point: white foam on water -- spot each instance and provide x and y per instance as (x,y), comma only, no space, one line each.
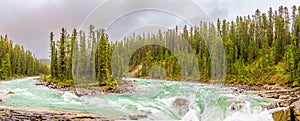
(265,115)
(68,97)
(191,115)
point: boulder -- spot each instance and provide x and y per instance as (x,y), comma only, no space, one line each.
(5,112)
(287,103)
(284,96)
(271,95)
(133,117)
(142,115)
(281,115)
(288,114)
(38,83)
(10,92)
(296,112)
(296,104)
(272,105)
(138,115)
(182,105)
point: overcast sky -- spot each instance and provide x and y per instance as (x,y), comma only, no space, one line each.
(29,22)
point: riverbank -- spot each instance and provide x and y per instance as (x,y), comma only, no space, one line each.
(286,105)
(8,114)
(123,87)
(283,96)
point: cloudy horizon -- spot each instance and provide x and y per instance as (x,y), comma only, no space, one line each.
(29,22)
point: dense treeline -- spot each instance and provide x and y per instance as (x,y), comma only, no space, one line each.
(263,48)
(145,58)
(260,49)
(17,62)
(77,57)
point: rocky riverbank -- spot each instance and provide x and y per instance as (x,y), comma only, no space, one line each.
(124,87)
(244,87)
(7,114)
(286,105)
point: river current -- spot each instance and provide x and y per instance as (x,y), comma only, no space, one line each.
(153,98)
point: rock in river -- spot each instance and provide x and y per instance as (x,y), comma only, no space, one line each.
(236,105)
(138,115)
(182,105)
(10,92)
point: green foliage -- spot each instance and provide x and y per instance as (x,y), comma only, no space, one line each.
(48,78)
(262,49)
(83,58)
(102,60)
(17,62)
(5,67)
(259,50)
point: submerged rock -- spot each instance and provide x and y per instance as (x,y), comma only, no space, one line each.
(236,105)
(38,83)
(125,87)
(138,115)
(133,117)
(182,105)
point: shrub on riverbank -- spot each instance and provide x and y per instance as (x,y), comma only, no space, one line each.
(105,86)
(67,83)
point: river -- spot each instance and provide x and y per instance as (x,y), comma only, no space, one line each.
(152,97)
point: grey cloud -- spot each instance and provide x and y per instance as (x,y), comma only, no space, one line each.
(29,22)
(137,13)
(218,13)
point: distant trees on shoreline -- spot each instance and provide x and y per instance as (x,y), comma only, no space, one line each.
(15,61)
(260,49)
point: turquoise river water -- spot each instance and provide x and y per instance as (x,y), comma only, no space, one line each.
(153,97)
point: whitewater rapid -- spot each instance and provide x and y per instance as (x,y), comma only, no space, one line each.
(152,98)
